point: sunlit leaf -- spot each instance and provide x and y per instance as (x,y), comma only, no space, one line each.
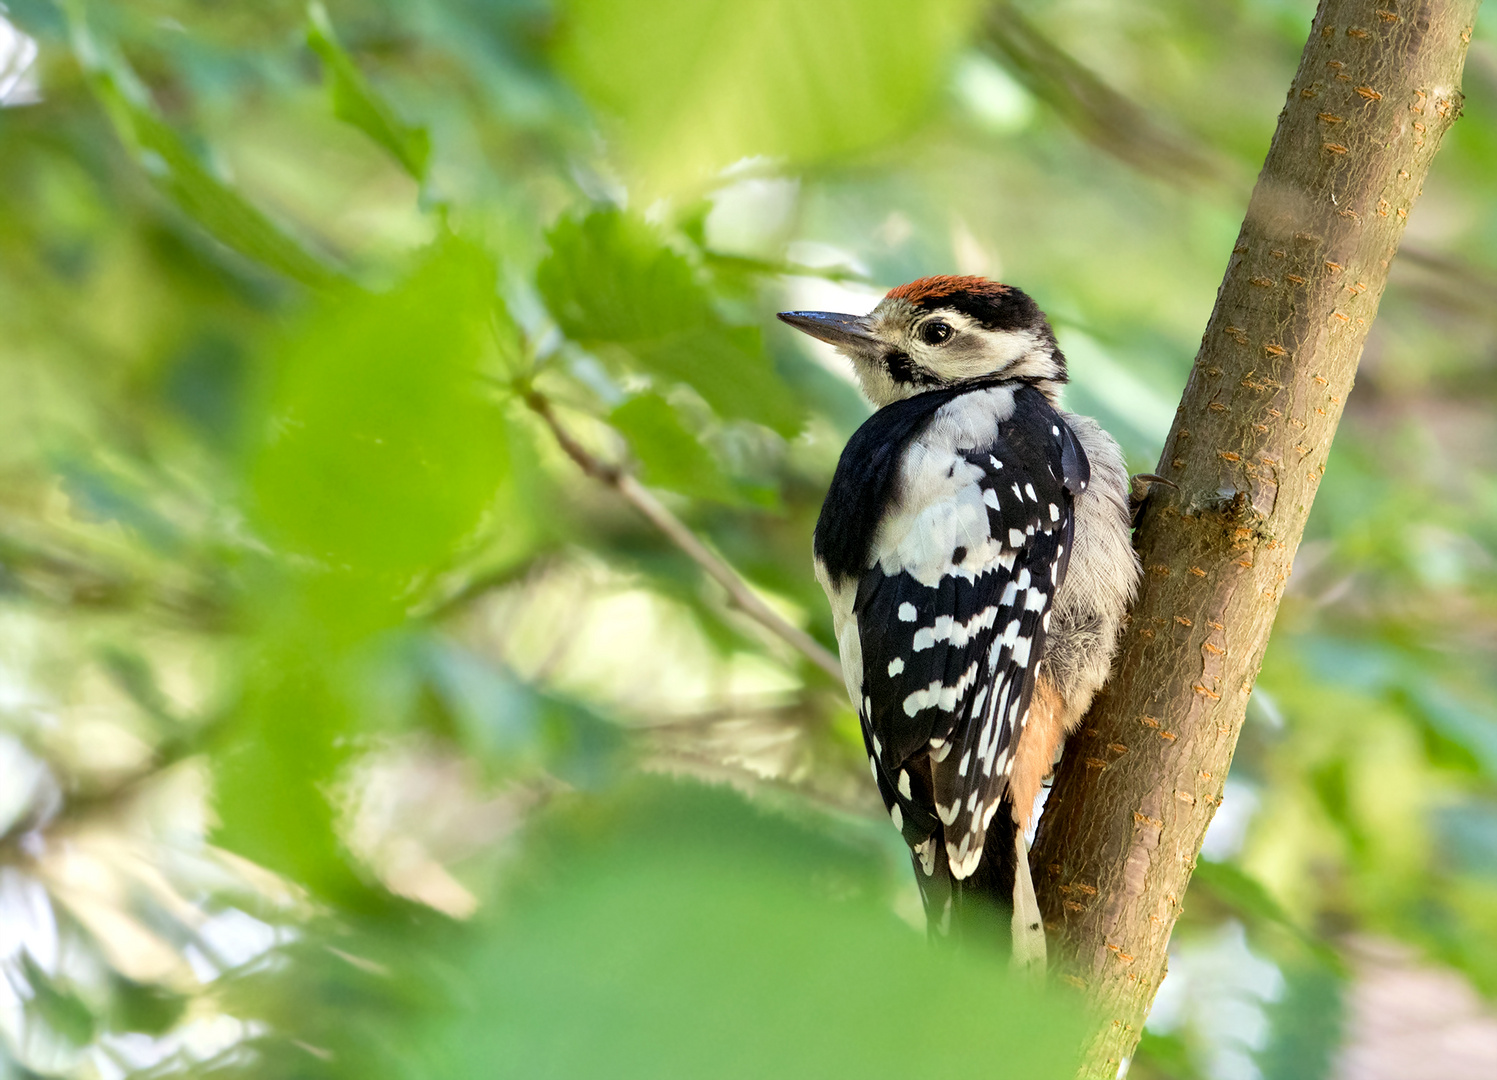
(695,85)
(381,449)
(695,957)
(274,763)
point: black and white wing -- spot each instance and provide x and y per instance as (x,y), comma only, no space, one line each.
(952,608)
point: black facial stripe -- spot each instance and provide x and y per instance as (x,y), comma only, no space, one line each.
(904,370)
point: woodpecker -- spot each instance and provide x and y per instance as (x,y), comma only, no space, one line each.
(975,548)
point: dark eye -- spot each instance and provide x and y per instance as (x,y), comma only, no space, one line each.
(935,332)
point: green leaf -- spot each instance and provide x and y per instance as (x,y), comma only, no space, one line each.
(273,763)
(609,280)
(609,277)
(225,214)
(700,937)
(381,448)
(359,104)
(671,455)
(694,85)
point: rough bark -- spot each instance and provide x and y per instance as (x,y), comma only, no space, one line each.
(1377,87)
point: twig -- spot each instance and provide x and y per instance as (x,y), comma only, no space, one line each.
(641,498)
(1099,113)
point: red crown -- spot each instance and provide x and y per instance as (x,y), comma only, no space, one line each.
(928,290)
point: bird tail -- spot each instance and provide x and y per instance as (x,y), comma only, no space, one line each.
(996,903)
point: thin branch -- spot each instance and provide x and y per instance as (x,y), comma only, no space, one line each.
(1151,143)
(653,510)
(1099,113)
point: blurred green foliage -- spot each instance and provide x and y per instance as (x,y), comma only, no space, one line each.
(327,680)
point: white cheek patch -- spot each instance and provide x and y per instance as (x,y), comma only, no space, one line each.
(974,350)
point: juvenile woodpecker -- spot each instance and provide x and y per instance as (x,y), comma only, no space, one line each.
(975,549)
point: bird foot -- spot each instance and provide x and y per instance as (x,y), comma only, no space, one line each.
(1139,487)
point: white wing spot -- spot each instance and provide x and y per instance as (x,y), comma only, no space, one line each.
(950,695)
(1029,490)
(896,817)
(1054,512)
(896,666)
(987,816)
(922,699)
(904,784)
(1015,538)
(962,864)
(926,853)
(873,767)
(1055,431)
(959,634)
(996,463)
(1017,493)
(878,747)
(947,814)
(1036,601)
(961,769)
(906,612)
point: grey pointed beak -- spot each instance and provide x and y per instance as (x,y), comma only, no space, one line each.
(847,331)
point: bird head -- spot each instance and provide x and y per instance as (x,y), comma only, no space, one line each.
(942,332)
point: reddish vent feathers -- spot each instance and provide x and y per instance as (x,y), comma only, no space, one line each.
(928,291)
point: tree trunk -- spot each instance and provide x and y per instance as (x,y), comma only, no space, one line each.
(1377,87)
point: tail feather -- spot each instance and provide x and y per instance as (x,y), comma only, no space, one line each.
(995,904)
(1028,925)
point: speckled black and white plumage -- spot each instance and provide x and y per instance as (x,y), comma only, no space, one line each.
(974,547)
(952,614)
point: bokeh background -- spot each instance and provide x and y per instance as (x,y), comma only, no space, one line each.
(348,729)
